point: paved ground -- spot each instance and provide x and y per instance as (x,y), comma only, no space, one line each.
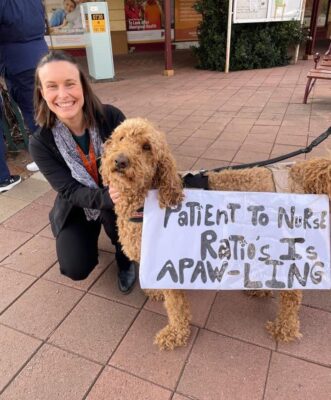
(68,341)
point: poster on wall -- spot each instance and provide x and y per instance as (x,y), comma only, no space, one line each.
(65,26)
(266,10)
(186,21)
(145,21)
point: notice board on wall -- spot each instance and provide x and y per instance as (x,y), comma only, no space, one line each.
(245,11)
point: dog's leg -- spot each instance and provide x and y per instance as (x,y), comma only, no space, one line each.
(154,295)
(177,332)
(258,293)
(286,326)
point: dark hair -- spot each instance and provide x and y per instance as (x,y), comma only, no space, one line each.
(73,2)
(92,105)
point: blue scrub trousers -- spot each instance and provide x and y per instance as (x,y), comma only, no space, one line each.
(4,171)
(20,87)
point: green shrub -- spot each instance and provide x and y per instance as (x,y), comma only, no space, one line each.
(253,45)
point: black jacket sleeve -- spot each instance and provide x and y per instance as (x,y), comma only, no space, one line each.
(57,173)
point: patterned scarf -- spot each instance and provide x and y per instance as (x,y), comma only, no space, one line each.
(68,149)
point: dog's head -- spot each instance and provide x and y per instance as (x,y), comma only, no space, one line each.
(136,158)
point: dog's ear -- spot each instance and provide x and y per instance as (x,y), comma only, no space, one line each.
(167,179)
(105,165)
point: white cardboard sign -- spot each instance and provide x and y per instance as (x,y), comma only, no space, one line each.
(237,240)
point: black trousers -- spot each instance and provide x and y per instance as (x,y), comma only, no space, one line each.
(77,243)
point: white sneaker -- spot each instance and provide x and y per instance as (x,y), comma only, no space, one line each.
(33,167)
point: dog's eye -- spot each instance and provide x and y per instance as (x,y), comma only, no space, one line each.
(146,146)
(121,138)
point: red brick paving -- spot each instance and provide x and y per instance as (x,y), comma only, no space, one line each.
(76,340)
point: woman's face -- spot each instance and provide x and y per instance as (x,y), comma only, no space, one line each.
(69,6)
(62,90)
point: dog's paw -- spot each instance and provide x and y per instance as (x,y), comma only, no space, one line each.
(170,337)
(284,331)
(258,293)
(154,295)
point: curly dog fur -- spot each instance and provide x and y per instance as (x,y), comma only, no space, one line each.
(137,158)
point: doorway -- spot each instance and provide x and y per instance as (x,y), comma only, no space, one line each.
(323,19)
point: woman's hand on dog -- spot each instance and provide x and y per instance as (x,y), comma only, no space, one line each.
(114,194)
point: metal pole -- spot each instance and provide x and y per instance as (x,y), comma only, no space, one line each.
(228,37)
(168,68)
(296,54)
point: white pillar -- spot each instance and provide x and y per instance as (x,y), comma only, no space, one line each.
(228,38)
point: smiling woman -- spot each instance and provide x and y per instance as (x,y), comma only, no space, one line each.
(62,91)
(67,149)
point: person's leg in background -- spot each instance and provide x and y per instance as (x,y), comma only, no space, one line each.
(7,181)
(20,87)
(4,171)
(126,267)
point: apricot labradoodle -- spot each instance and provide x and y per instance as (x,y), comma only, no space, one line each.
(137,158)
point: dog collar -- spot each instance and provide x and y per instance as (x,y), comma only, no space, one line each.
(138,215)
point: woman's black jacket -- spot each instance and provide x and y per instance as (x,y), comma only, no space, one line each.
(70,192)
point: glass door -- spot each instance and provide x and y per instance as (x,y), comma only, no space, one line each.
(324,20)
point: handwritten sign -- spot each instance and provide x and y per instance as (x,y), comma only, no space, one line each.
(237,240)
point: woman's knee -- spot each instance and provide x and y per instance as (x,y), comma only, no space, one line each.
(79,268)
(76,274)
(77,265)
(77,247)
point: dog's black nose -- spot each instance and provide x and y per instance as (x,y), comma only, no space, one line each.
(121,161)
